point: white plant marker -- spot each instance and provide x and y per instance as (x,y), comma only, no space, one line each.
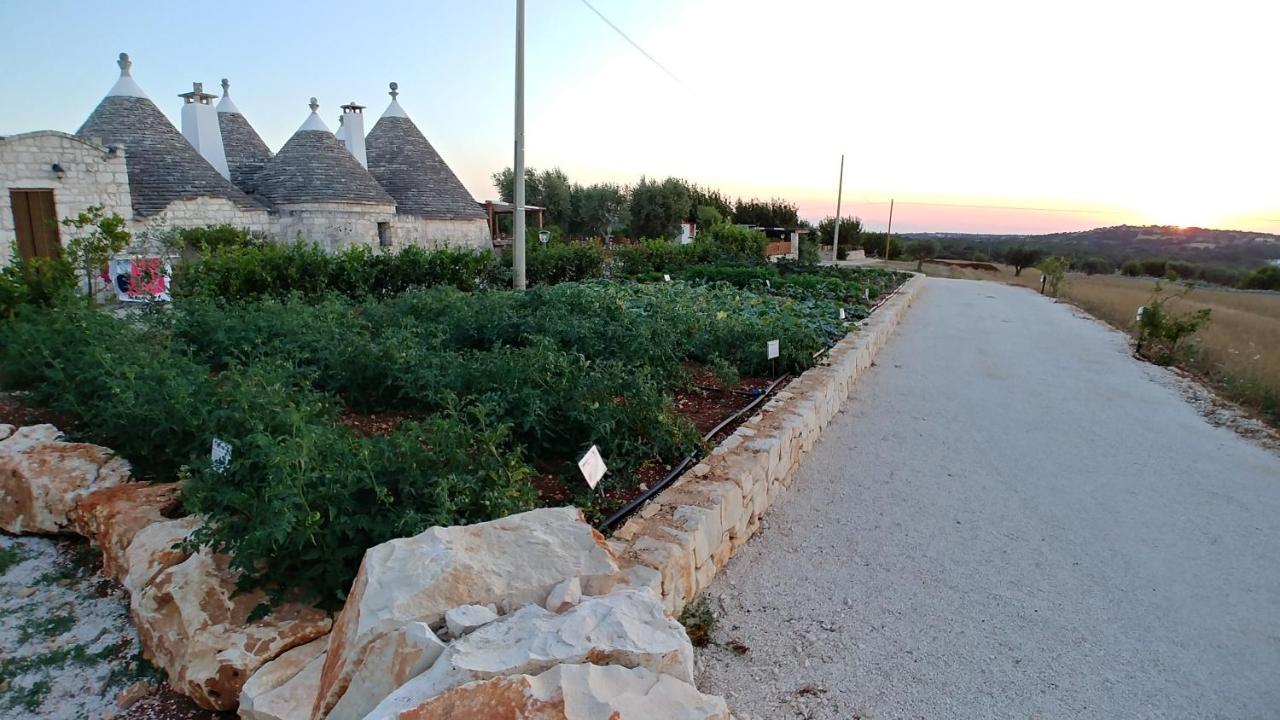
(666,277)
(768,284)
(592,467)
(1140,311)
(842,315)
(771,350)
(866,294)
(220,457)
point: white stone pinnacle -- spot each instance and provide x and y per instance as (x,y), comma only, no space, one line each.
(125,86)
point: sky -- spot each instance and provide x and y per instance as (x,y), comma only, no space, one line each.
(984,116)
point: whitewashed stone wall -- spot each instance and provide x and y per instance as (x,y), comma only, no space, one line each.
(93,176)
(332,226)
(409,230)
(691,529)
(203,211)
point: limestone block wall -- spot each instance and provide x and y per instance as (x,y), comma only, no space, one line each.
(691,529)
(332,226)
(409,230)
(203,211)
(91,176)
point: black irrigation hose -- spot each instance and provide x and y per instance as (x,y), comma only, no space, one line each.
(676,471)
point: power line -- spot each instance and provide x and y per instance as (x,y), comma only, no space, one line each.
(1082,211)
(636,45)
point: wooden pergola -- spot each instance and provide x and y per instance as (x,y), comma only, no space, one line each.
(494,209)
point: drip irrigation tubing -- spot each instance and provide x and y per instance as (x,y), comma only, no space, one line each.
(626,510)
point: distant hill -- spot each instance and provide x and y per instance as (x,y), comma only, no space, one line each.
(1237,248)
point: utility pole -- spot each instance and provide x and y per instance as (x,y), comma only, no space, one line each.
(518,210)
(888,234)
(835,237)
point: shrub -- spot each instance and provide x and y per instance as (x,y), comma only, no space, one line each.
(809,253)
(564,263)
(1266,277)
(921,250)
(1096,265)
(1055,271)
(1160,332)
(246,272)
(95,237)
(1022,257)
(40,282)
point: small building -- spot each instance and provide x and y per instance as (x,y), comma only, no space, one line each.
(389,189)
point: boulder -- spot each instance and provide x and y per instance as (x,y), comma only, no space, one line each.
(392,660)
(285,688)
(153,549)
(627,628)
(112,516)
(6,430)
(193,625)
(574,692)
(564,596)
(510,562)
(41,478)
(465,618)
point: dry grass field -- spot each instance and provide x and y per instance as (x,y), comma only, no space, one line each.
(1238,352)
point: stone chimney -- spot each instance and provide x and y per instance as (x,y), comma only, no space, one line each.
(200,128)
(352,131)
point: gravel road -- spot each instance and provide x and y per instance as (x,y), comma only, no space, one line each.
(1011,519)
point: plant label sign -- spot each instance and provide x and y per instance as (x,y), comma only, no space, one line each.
(768,284)
(221,455)
(866,294)
(666,277)
(771,350)
(1140,311)
(842,315)
(592,467)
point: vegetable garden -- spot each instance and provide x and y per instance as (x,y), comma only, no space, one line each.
(369,396)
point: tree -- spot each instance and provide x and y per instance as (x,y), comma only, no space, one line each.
(700,197)
(1055,269)
(1096,265)
(597,209)
(1266,277)
(771,213)
(549,189)
(96,237)
(707,216)
(921,250)
(658,208)
(850,232)
(1021,257)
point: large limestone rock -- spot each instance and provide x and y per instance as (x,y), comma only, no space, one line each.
(627,628)
(285,688)
(391,661)
(111,517)
(193,625)
(6,430)
(574,692)
(510,562)
(41,478)
(155,548)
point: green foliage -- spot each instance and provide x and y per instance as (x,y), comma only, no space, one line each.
(658,208)
(699,621)
(95,238)
(242,272)
(1266,277)
(597,209)
(923,249)
(1055,270)
(40,282)
(10,556)
(1161,332)
(1095,265)
(700,197)
(557,263)
(725,373)
(1022,256)
(851,235)
(809,253)
(770,214)
(1132,268)
(707,216)
(212,239)
(980,256)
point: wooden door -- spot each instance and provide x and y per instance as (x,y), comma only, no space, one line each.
(35,219)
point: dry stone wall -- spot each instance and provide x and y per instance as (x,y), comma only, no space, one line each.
(689,531)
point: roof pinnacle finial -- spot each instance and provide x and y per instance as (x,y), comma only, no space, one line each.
(313,105)
(395,90)
(125,64)
(226,87)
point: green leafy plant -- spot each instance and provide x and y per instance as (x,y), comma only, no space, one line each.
(95,238)
(1161,333)
(1055,272)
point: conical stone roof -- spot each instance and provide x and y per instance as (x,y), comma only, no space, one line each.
(409,168)
(162,165)
(314,167)
(245,150)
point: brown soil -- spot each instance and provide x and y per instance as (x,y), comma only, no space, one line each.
(16,411)
(371,424)
(169,705)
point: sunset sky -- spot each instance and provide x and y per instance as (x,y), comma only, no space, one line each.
(1085,114)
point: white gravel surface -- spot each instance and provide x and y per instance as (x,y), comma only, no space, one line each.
(1012,519)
